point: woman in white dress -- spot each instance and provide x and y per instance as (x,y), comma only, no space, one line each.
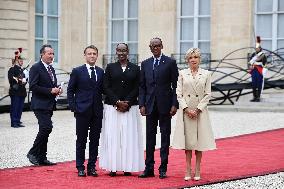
(193,129)
(121,137)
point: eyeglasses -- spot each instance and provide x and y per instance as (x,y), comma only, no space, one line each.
(156,46)
(121,50)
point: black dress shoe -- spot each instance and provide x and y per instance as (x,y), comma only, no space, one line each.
(147,174)
(127,174)
(112,174)
(92,172)
(81,173)
(33,159)
(20,125)
(162,175)
(15,125)
(47,163)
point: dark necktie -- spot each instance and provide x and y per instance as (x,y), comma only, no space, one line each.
(93,73)
(156,63)
(50,73)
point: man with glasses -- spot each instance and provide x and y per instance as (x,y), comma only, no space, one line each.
(158,102)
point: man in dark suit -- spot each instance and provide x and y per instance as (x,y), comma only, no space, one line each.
(17,90)
(158,102)
(84,95)
(43,84)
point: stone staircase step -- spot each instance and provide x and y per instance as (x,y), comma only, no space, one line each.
(238,108)
(262,103)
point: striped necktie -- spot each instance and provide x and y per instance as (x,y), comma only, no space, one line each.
(50,73)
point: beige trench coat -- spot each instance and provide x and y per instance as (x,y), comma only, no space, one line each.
(192,93)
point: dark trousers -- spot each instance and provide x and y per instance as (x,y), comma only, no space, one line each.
(257,81)
(87,122)
(39,148)
(16,109)
(151,131)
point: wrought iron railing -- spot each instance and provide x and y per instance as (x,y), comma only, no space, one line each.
(231,78)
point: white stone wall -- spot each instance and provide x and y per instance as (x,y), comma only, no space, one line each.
(14,30)
(231,28)
(157,18)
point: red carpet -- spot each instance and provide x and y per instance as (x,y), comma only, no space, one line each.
(236,157)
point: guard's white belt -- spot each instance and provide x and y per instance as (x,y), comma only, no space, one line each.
(258,63)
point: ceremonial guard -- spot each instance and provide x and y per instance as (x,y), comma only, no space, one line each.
(257,61)
(17,91)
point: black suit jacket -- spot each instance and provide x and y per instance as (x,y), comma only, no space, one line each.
(119,85)
(84,93)
(41,85)
(16,88)
(161,88)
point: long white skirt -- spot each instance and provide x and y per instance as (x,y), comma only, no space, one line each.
(121,146)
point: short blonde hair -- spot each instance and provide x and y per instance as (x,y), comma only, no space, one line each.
(192,52)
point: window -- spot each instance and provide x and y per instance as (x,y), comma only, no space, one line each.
(193,25)
(123,24)
(46,26)
(268,18)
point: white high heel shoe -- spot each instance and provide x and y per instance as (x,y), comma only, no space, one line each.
(196,178)
(187,178)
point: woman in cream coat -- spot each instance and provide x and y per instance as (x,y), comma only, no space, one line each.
(193,130)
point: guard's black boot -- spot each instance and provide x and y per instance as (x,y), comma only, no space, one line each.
(258,93)
(254,92)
